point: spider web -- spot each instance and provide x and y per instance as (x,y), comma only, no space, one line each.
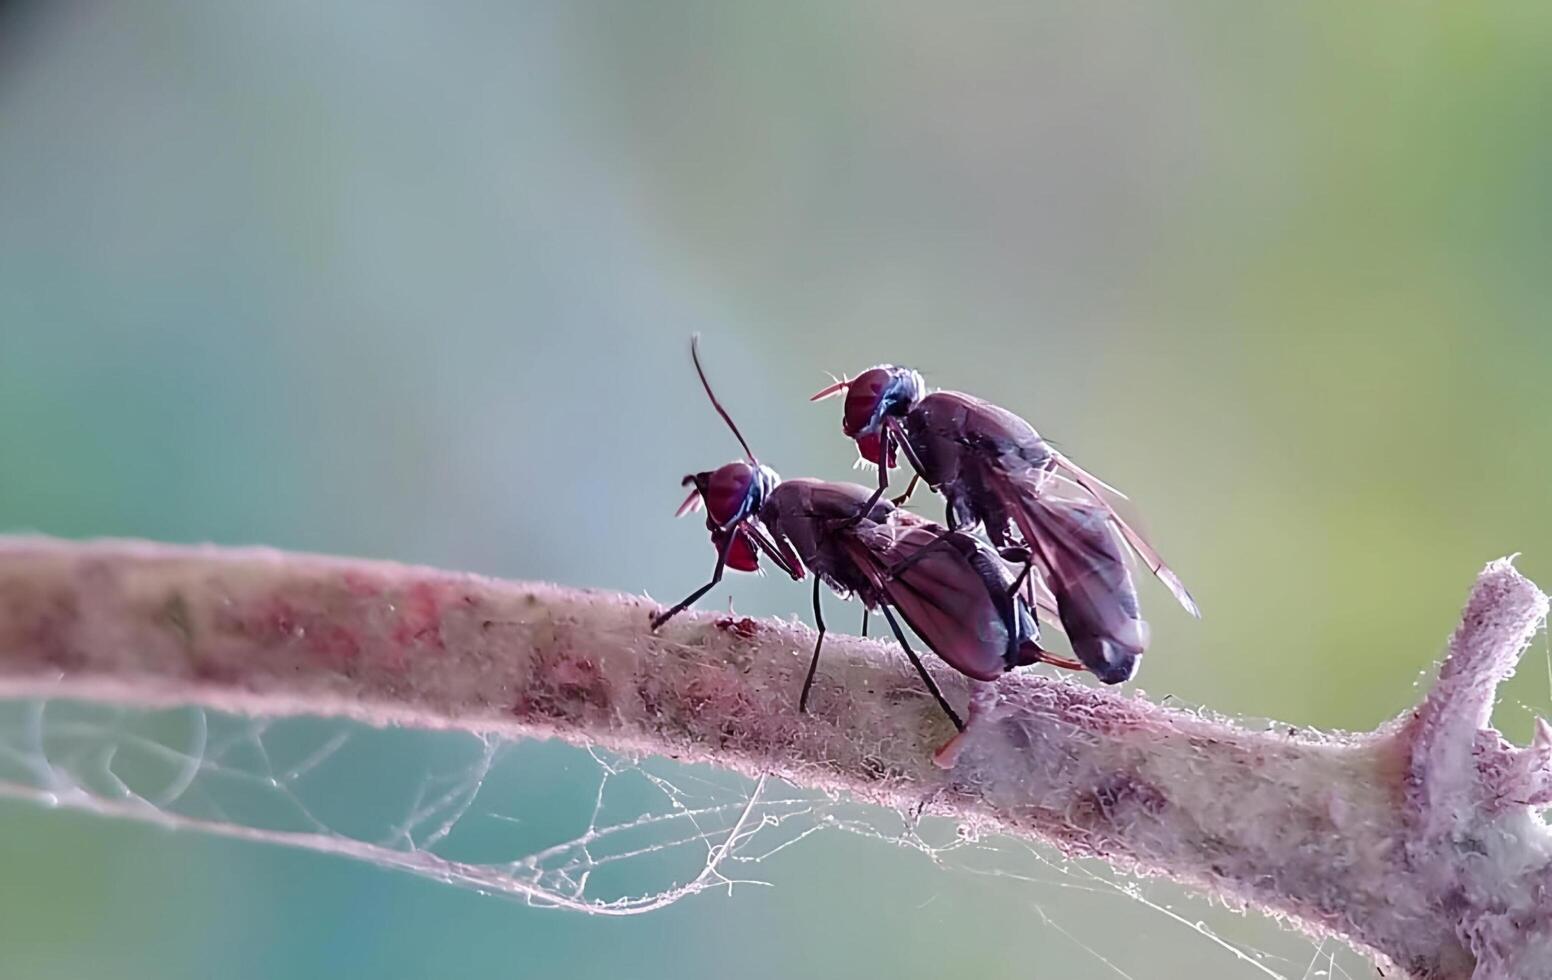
(502,817)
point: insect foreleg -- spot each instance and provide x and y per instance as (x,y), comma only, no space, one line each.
(891,438)
(883,479)
(892,425)
(689,600)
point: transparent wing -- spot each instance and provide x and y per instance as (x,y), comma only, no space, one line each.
(1069,480)
(938,593)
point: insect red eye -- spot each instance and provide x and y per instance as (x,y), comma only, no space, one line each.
(862,400)
(727,491)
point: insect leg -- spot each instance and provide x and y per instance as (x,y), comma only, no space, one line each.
(910,488)
(891,424)
(1005,599)
(890,439)
(689,600)
(1019,556)
(813,665)
(916,662)
(1062,662)
(864,620)
(1037,602)
(983,703)
(883,478)
(899,567)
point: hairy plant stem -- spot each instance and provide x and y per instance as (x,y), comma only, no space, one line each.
(1421,842)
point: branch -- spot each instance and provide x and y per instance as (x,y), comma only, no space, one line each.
(1420,842)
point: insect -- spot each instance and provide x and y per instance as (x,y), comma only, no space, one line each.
(950,587)
(1084,565)
(995,470)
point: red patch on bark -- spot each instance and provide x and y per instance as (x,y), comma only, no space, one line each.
(52,631)
(212,672)
(420,617)
(567,687)
(740,626)
(335,644)
(274,621)
(716,695)
(361,586)
(579,679)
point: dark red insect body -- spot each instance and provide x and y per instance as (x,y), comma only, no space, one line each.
(995,470)
(1085,567)
(950,587)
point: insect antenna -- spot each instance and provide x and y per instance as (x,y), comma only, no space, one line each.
(695,355)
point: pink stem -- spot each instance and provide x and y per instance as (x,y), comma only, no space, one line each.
(1420,842)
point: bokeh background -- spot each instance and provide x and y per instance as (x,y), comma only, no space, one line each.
(415,282)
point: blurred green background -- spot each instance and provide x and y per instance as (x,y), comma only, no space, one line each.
(415,282)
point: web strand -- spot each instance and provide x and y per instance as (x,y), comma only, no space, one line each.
(464,809)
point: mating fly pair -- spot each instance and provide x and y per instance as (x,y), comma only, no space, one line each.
(949,586)
(994,470)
